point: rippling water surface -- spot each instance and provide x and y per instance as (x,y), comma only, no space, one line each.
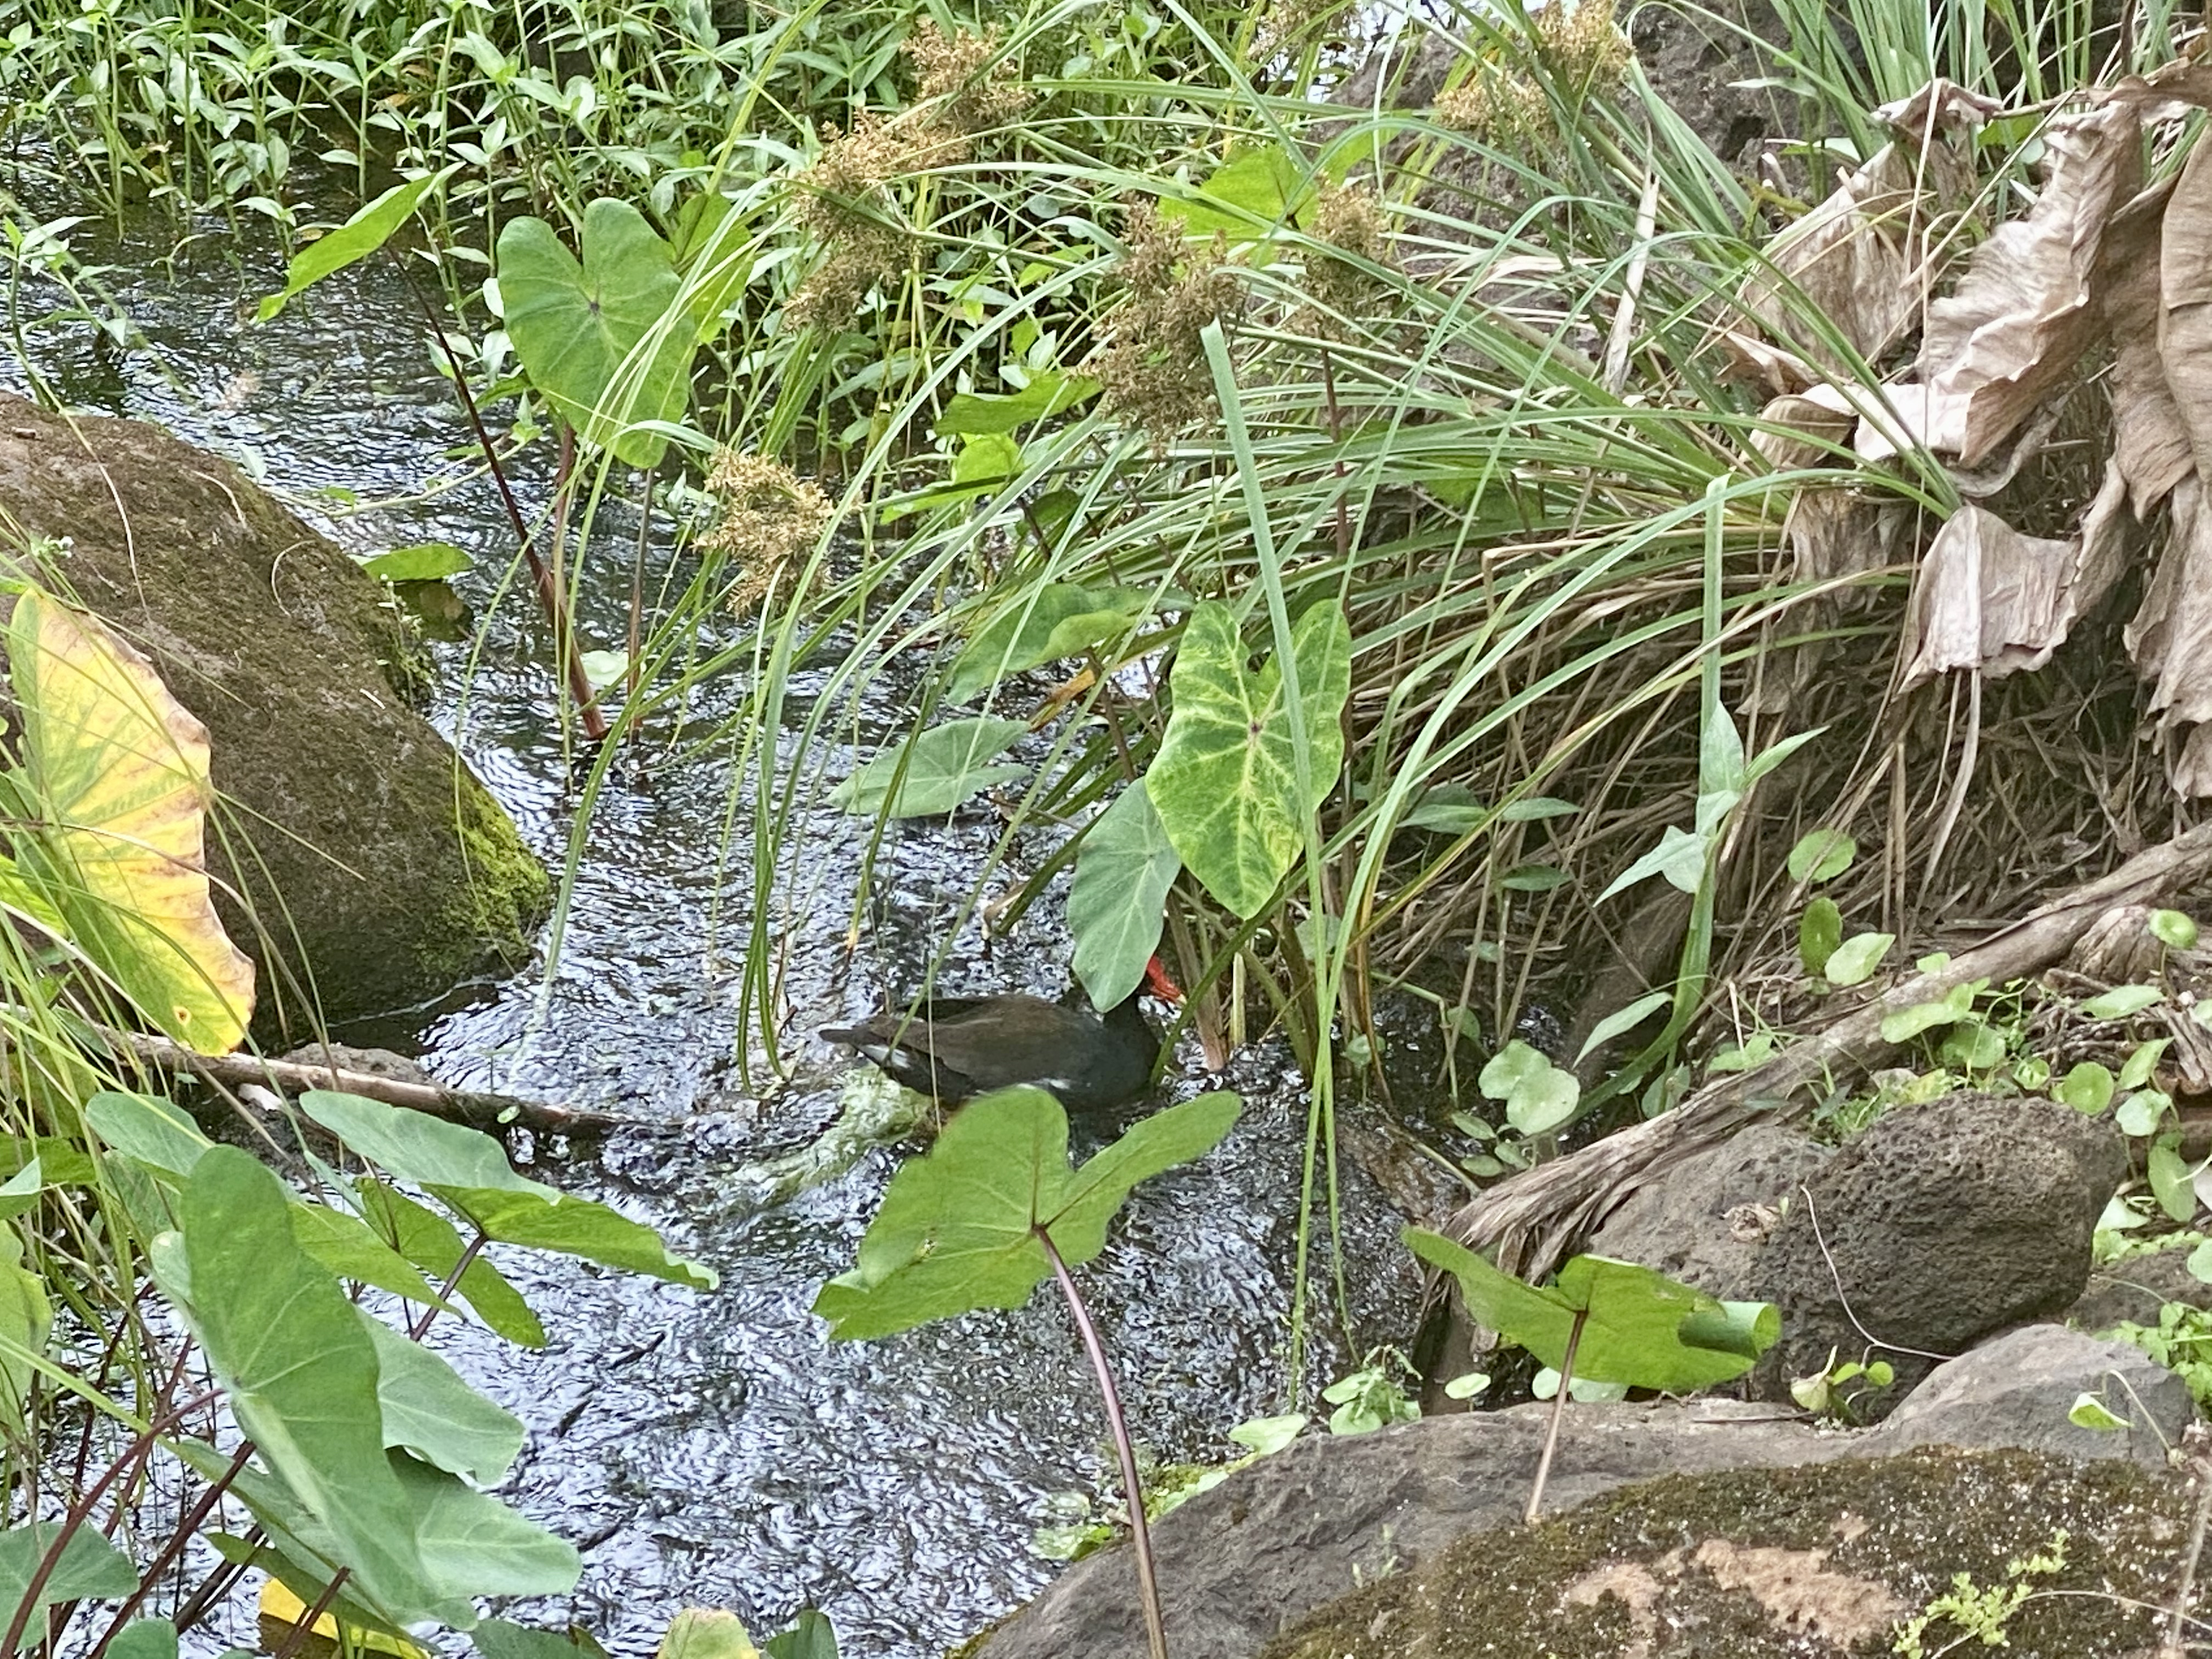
(715,1448)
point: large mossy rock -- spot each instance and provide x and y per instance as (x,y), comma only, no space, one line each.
(376,871)
(1423,1505)
(1799,1563)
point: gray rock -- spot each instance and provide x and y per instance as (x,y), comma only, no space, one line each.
(1241,1562)
(1717,81)
(1327,1514)
(1705,1221)
(381,871)
(386,1063)
(2133,1289)
(1938,1226)
(2016,1390)
(1791,1563)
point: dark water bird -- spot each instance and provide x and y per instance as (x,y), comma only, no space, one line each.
(951,1047)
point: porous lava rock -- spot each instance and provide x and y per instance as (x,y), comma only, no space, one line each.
(1939,1225)
(376,870)
(2133,1289)
(1706,1221)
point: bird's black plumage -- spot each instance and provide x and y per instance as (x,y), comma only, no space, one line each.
(953,1048)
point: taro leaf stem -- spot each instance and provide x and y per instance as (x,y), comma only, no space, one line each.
(1148,1585)
(1559,1408)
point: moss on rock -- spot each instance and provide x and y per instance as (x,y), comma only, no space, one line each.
(1828,1559)
(363,864)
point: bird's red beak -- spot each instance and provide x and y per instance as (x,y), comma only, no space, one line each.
(1157,981)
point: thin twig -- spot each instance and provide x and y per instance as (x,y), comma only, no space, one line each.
(290,1077)
(550,596)
(2202,1470)
(1835,1282)
(1559,1413)
(1533,1219)
(305,1622)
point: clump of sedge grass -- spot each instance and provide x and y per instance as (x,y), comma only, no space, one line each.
(1348,219)
(1582,50)
(770,519)
(846,205)
(1289,25)
(1154,369)
(1495,106)
(964,91)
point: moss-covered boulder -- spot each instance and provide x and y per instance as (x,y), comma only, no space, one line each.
(2060,1560)
(368,868)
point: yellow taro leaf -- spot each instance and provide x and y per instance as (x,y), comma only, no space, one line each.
(282,1611)
(706,1633)
(118,770)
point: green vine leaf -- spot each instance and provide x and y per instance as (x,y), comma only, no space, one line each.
(1538,1095)
(356,239)
(1041,625)
(934,771)
(1049,392)
(598,337)
(1639,1327)
(87,1568)
(468,1171)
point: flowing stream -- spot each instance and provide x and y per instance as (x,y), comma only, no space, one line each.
(717,1449)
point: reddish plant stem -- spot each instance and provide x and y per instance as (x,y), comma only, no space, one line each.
(1336,437)
(218,1583)
(550,596)
(298,1633)
(636,638)
(186,1529)
(1141,1537)
(79,1513)
(422,1325)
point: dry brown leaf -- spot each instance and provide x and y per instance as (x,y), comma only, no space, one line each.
(1856,256)
(2192,767)
(2171,637)
(2167,92)
(2108,540)
(1909,416)
(2023,314)
(1833,532)
(1778,372)
(1937,106)
(1853,259)
(1834,535)
(2150,444)
(2184,323)
(1801,430)
(1989,599)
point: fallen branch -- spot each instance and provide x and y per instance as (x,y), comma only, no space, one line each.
(1534,1220)
(482,1111)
